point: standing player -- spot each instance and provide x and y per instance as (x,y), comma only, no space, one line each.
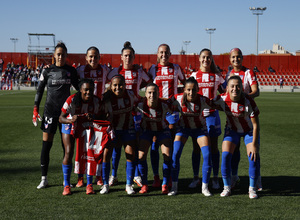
(191,104)
(242,121)
(167,76)
(209,80)
(83,102)
(134,77)
(250,87)
(153,112)
(119,103)
(58,79)
(98,73)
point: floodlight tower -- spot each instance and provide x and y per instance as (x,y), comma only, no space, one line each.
(257,11)
(186,43)
(14,40)
(210,31)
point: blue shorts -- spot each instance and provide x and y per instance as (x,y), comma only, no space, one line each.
(172,118)
(194,133)
(235,137)
(160,135)
(66,128)
(213,124)
(124,135)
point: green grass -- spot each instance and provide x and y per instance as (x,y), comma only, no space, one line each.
(20,146)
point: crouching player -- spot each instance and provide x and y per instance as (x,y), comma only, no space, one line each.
(191,105)
(92,135)
(153,123)
(242,121)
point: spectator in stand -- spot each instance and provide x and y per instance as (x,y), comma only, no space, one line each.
(271,70)
(34,80)
(281,80)
(1,65)
(255,69)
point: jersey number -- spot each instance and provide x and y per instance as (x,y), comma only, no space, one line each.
(93,141)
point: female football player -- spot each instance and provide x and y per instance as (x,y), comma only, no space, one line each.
(153,112)
(167,76)
(83,102)
(135,77)
(119,103)
(58,78)
(209,80)
(250,86)
(242,121)
(191,104)
(98,73)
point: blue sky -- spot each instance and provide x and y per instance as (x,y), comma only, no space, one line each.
(146,24)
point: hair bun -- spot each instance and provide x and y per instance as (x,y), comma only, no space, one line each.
(127,44)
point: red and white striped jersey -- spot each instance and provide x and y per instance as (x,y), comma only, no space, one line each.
(120,110)
(91,138)
(92,107)
(99,76)
(208,86)
(167,78)
(133,78)
(191,112)
(238,114)
(153,119)
(248,77)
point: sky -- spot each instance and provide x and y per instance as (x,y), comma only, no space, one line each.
(147,24)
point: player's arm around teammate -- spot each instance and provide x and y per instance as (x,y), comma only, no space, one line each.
(98,73)
(250,86)
(191,123)
(209,80)
(166,76)
(58,78)
(79,103)
(134,78)
(242,121)
(248,77)
(153,111)
(120,103)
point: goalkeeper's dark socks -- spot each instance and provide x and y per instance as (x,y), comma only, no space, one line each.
(45,157)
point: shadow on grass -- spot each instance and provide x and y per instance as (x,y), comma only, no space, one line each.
(272,186)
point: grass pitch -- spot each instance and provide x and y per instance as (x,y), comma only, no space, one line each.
(20,146)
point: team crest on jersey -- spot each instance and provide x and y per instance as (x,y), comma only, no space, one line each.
(212,78)
(68,74)
(134,74)
(196,108)
(242,78)
(241,108)
(170,70)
